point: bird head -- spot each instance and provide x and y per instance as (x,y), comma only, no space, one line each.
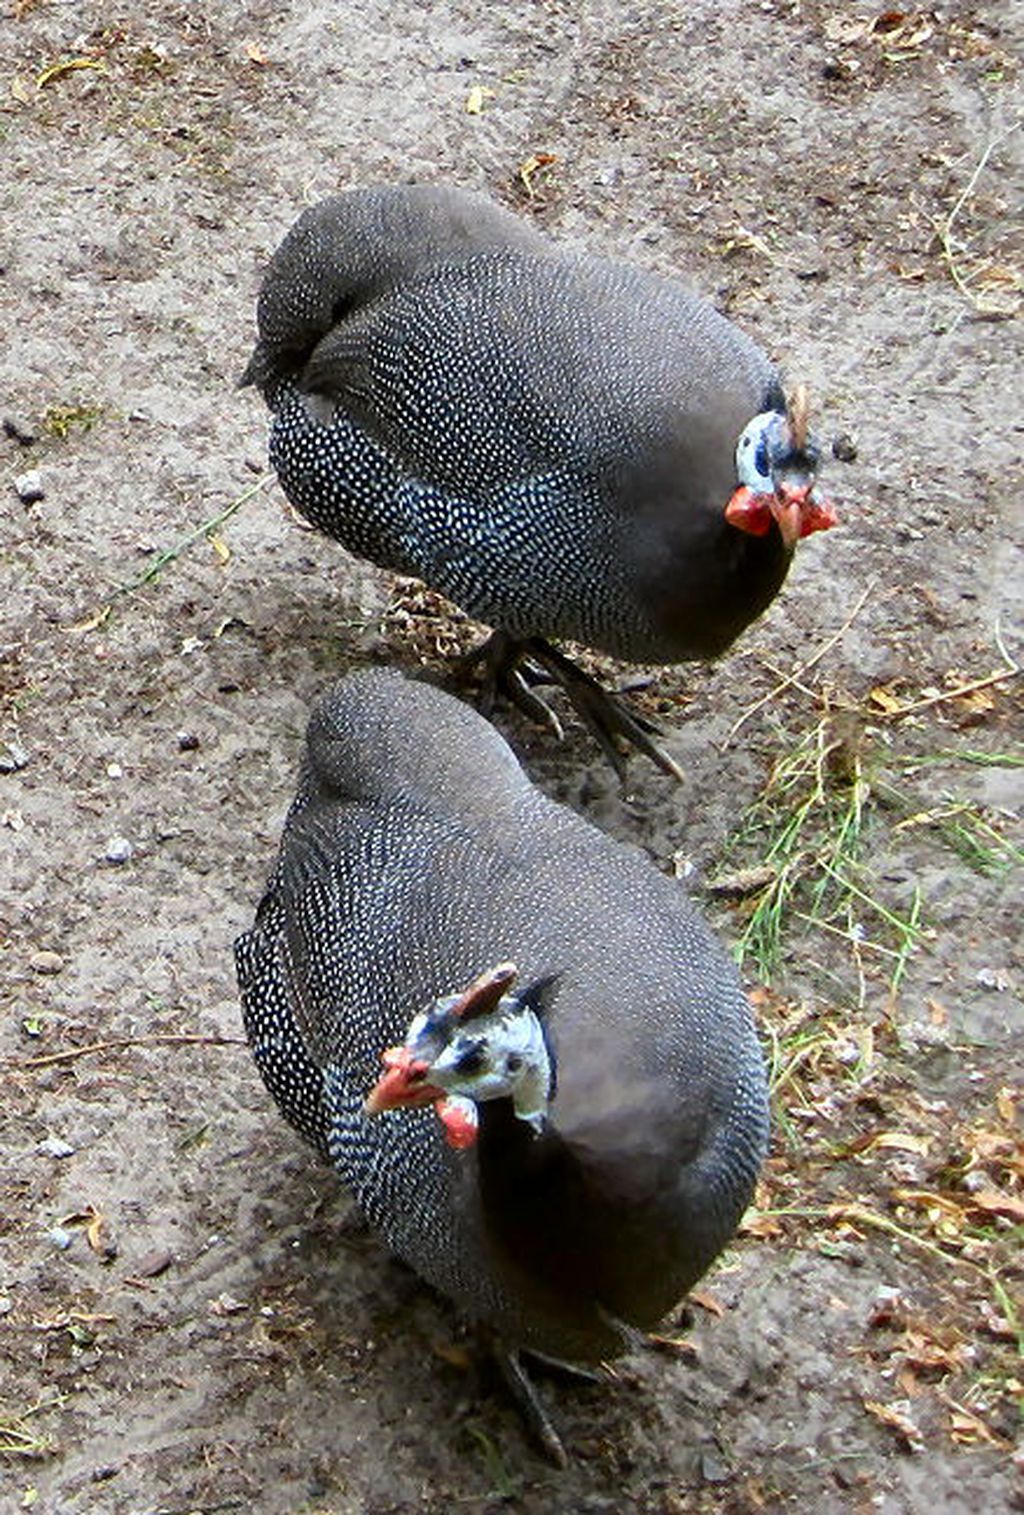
(777,467)
(483,1044)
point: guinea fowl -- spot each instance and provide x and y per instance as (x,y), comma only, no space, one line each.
(565,446)
(437,932)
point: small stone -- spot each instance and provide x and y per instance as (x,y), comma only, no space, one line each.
(712,1468)
(60,1237)
(844,448)
(6,1305)
(29,487)
(12,757)
(226,1304)
(187,741)
(152,1264)
(115,771)
(19,430)
(119,850)
(46,961)
(988,978)
(54,1146)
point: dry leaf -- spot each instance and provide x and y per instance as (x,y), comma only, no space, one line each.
(743,882)
(930,1201)
(755,1224)
(938,1015)
(475,100)
(995,1202)
(219,546)
(707,1301)
(532,165)
(885,699)
(676,1344)
(1006,1105)
(968,1428)
(98,1236)
(99,619)
(69,66)
(256,54)
(897,1420)
(901,1141)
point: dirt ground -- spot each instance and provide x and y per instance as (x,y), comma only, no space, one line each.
(191,1318)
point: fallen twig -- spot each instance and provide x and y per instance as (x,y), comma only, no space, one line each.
(121,1043)
(950,694)
(944,229)
(797,674)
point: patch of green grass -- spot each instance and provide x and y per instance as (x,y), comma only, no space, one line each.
(19,1437)
(809,827)
(824,803)
(61,420)
(980,759)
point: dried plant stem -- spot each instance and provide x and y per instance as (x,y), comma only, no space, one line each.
(798,673)
(169,1040)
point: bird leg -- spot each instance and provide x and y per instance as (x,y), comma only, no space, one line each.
(513,666)
(528,1401)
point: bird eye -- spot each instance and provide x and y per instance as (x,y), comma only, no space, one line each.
(513,1062)
(471,1057)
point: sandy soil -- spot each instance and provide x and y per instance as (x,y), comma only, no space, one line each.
(191,1318)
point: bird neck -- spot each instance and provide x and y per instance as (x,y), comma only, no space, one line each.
(718,581)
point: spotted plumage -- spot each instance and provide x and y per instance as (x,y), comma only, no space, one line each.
(416,855)
(546,437)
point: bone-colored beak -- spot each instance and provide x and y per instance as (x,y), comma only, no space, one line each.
(787,506)
(403,1085)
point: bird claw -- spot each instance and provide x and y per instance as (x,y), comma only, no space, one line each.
(536,1417)
(513,666)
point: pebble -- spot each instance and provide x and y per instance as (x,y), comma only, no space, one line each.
(226,1304)
(119,850)
(19,430)
(54,1146)
(6,1305)
(187,741)
(29,487)
(712,1467)
(60,1237)
(153,1263)
(12,757)
(46,961)
(844,448)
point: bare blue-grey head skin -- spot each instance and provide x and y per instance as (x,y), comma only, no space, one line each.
(420,869)
(548,438)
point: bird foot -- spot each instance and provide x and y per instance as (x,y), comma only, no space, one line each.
(528,1401)
(514,666)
